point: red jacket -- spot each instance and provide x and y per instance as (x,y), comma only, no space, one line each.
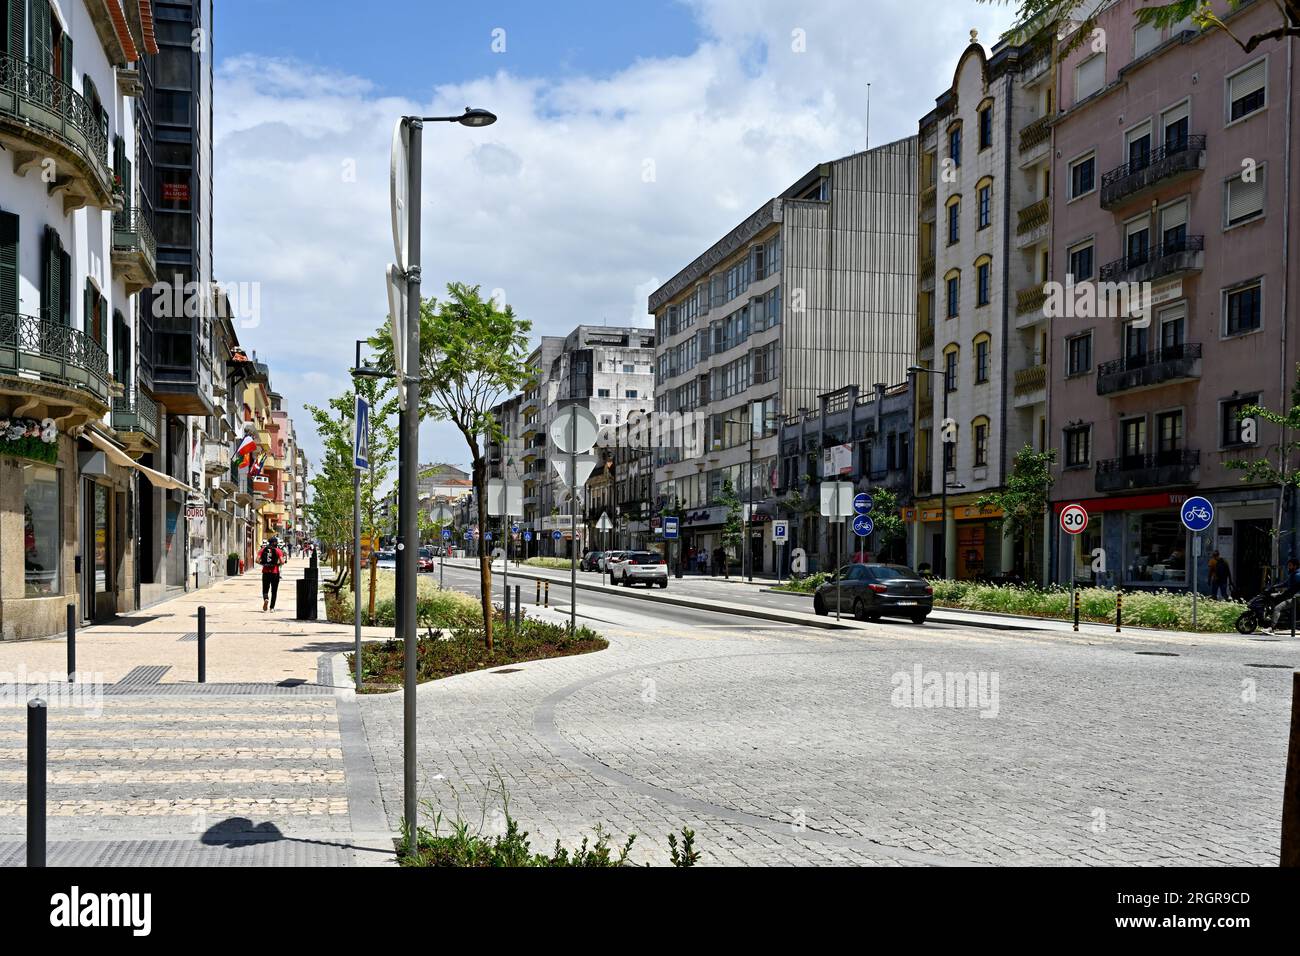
(271,568)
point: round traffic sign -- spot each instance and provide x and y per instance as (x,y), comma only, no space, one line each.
(863,525)
(575,429)
(557,535)
(863,503)
(1074,519)
(1197,513)
(469,535)
(514,529)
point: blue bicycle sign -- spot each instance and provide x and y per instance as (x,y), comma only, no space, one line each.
(1197,513)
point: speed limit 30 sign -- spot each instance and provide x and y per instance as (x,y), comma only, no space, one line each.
(1074,519)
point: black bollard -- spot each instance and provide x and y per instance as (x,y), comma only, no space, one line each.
(72,643)
(37,717)
(519,610)
(537,601)
(1119,610)
(547,595)
(1076,610)
(506,601)
(203,645)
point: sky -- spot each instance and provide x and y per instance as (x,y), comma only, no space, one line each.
(631,136)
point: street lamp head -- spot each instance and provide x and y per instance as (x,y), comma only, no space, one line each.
(476,117)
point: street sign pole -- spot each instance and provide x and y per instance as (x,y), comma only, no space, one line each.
(356,575)
(573,525)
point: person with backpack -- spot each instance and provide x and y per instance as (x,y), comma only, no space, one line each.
(270,558)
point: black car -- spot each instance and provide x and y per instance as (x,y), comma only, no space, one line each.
(591,561)
(872,591)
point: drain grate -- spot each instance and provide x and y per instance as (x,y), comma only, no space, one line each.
(190,636)
(1157,654)
(144,675)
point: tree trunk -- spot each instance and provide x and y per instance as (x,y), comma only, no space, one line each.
(484,555)
(374,563)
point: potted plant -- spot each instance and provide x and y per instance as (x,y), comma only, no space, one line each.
(232,564)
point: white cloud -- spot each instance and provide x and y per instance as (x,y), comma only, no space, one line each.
(586,195)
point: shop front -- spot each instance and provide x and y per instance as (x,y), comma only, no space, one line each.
(976,547)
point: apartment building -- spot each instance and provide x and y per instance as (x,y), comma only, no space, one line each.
(1174,153)
(815,289)
(80,430)
(984,225)
(607,369)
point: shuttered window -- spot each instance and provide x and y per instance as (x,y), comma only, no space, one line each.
(1246,91)
(1089,76)
(1145,38)
(8,263)
(14,27)
(41,51)
(1244,200)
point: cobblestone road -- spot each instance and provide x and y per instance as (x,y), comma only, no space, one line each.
(783,745)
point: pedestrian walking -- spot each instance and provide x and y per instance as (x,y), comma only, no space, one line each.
(270,558)
(1220,577)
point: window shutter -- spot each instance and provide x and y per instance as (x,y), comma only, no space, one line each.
(49,275)
(1245,199)
(14,20)
(1090,76)
(42,42)
(65,287)
(67,60)
(8,263)
(1145,37)
(1173,217)
(1249,80)
(87,308)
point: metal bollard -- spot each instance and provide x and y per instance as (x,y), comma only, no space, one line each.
(537,601)
(546,597)
(507,605)
(1290,855)
(203,645)
(1076,610)
(37,721)
(72,643)
(519,609)
(1119,610)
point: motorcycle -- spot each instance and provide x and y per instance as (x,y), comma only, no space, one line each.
(1260,609)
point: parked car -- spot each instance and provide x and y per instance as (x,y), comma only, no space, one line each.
(608,559)
(640,567)
(386,560)
(591,561)
(872,591)
(426,563)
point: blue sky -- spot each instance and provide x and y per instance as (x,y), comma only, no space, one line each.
(631,136)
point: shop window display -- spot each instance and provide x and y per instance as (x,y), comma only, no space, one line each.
(1156,545)
(42,531)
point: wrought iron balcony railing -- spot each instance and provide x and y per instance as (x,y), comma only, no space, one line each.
(43,102)
(1176,256)
(1171,363)
(1173,158)
(131,233)
(136,412)
(55,352)
(1176,467)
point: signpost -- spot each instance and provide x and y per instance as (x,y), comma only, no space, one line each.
(1074,521)
(1197,514)
(862,505)
(671,527)
(780,535)
(574,432)
(505,499)
(837,504)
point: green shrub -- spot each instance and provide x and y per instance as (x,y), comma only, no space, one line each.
(560,563)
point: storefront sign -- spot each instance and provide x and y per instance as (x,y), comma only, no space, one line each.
(837,460)
(1126,502)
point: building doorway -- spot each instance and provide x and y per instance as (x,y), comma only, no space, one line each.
(1253,548)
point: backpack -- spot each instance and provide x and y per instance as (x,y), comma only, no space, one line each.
(268,558)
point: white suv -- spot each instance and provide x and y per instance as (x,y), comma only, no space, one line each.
(640,567)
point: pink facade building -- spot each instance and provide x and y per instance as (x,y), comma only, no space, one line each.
(1174,160)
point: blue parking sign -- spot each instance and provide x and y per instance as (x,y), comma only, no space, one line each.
(670,528)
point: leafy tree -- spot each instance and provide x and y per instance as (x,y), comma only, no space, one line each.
(1033,15)
(332,499)
(889,527)
(1023,500)
(733,526)
(472,354)
(1284,475)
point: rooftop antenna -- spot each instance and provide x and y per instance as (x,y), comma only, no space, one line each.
(868,116)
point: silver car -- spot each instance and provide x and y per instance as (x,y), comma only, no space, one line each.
(609,559)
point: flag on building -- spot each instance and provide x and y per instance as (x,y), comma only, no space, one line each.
(244,451)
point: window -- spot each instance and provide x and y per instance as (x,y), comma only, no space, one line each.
(980,433)
(1078,446)
(42,531)
(1089,76)
(1243,309)
(629,369)
(630,393)
(985,201)
(1155,547)
(1083,176)
(604,392)
(950,456)
(1145,38)
(1169,432)
(8,263)
(1231,418)
(1134,434)
(1081,262)
(983,275)
(954,218)
(982,345)
(954,144)
(953,286)
(986,127)
(1138,147)
(1247,91)
(1244,200)
(1173,226)
(1137,243)
(1174,123)
(950,368)
(1078,354)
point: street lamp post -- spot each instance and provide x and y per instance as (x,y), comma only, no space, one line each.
(943,462)
(408,447)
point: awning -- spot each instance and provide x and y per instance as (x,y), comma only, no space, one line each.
(119,457)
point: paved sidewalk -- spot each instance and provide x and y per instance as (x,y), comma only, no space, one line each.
(265,764)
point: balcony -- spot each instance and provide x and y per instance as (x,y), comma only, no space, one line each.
(216,458)
(32,348)
(928,194)
(135,253)
(1032,223)
(1160,167)
(1030,301)
(135,419)
(42,118)
(925,269)
(1034,140)
(1163,469)
(925,337)
(1030,385)
(1173,363)
(1160,262)
(924,482)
